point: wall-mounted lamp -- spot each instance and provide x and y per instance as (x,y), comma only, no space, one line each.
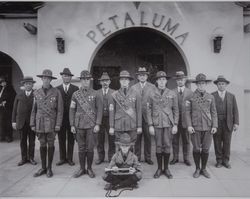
(216,37)
(217,44)
(30,28)
(59,35)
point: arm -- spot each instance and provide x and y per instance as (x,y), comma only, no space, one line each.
(14,111)
(175,109)
(149,111)
(188,109)
(99,108)
(72,111)
(111,103)
(138,111)
(59,116)
(214,113)
(33,114)
(235,112)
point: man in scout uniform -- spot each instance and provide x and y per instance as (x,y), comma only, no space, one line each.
(85,117)
(124,170)
(105,93)
(125,114)
(228,121)
(202,123)
(21,121)
(143,88)
(182,94)
(67,89)
(46,119)
(163,115)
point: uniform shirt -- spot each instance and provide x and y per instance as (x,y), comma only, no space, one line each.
(201,111)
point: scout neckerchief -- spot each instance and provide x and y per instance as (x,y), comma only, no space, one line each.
(85,105)
(128,110)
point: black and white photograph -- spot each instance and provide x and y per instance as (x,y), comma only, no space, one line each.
(124,99)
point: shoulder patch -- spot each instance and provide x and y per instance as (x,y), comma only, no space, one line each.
(187,103)
(72,104)
(111,107)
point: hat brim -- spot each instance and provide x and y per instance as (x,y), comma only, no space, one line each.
(128,77)
(103,79)
(120,143)
(226,81)
(142,73)
(167,77)
(91,78)
(207,81)
(23,81)
(66,74)
(181,77)
(41,76)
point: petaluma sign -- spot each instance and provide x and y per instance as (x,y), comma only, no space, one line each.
(116,22)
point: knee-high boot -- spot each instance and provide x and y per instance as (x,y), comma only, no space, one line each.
(90,156)
(51,151)
(159,162)
(197,156)
(204,158)
(43,154)
(166,161)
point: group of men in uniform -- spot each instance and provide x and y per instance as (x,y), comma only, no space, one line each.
(141,110)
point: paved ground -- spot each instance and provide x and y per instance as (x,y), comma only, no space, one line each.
(19,181)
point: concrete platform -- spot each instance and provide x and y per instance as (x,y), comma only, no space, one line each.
(19,181)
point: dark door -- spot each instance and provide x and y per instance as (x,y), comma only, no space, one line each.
(6,72)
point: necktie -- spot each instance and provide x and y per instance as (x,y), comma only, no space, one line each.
(105,91)
(27,94)
(180,91)
(66,89)
(162,91)
(221,96)
(125,91)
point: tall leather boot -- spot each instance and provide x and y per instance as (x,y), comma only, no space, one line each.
(204,158)
(43,154)
(51,151)
(82,160)
(197,156)
(90,156)
(159,162)
(166,161)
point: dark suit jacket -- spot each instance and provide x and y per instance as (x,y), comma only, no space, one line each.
(22,109)
(66,101)
(232,108)
(100,94)
(186,94)
(8,95)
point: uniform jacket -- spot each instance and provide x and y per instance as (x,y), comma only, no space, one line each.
(66,101)
(232,113)
(22,109)
(201,112)
(144,93)
(118,118)
(100,95)
(182,110)
(81,118)
(47,110)
(7,96)
(131,161)
(162,110)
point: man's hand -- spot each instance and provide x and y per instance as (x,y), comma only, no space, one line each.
(235,127)
(57,128)
(14,125)
(139,130)
(33,128)
(111,131)
(214,130)
(191,130)
(73,129)
(151,130)
(115,169)
(132,170)
(96,128)
(174,129)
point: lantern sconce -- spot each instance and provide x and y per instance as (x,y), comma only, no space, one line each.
(217,44)
(217,36)
(59,35)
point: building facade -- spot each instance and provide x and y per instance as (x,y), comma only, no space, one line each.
(112,36)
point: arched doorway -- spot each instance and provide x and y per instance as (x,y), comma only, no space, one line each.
(10,69)
(133,47)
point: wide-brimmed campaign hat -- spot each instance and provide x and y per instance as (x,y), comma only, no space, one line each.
(85,75)
(66,71)
(47,73)
(105,76)
(142,70)
(221,78)
(201,78)
(125,74)
(27,79)
(180,75)
(125,140)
